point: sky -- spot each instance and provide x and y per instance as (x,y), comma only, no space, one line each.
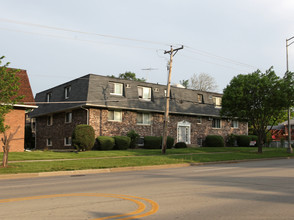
(60,40)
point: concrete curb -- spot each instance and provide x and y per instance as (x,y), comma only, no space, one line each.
(124,169)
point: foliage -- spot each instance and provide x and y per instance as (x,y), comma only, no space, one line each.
(83,137)
(121,142)
(9,86)
(134,138)
(231,140)
(214,141)
(203,82)
(105,143)
(152,142)
(181,145)
(130,76)
(185,83)
(170,142)
(260,98)
(243,140)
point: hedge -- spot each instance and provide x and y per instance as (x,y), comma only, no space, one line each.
(181,145)
(243,140)
(152,142)
(83,137)
(134,138)
(121,142)
(214,141)
(104,143)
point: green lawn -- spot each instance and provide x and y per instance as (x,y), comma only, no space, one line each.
(138,157)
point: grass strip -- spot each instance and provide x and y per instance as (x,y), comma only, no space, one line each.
(43,166)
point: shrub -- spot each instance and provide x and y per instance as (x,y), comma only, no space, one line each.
(152,142)
(181,145)
(253,137)
(243,140)
(83,137)
(214,141)
(105,143)
(170,142)
(231,140)
(134,138)
(121,142)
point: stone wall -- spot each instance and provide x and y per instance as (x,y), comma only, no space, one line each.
(98,119)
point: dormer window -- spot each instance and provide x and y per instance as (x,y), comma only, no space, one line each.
(200,98)
(48,97)
(144,93)
(116,88)
(67,92)
(217,101)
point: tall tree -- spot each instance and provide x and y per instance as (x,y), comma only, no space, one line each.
(9,86)
(260,98)
(203,82)
(185,83)
(130,76)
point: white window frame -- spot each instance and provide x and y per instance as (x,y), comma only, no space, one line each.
(114,115)
(115,92)
(143,96)
(217,101)
(48,96)
(68,117)
(202,98)
(145,121)
(67,91)
(48,142)
(67,141)
(213,123)
(49,120)
(235,124)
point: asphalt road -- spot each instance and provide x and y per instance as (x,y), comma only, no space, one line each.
(248,190)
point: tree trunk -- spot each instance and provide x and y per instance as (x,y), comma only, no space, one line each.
(6,146)
(260,142)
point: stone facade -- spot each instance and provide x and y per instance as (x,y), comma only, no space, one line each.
(98,119)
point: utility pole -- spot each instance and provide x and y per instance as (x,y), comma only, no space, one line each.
(289,149)
(172,53)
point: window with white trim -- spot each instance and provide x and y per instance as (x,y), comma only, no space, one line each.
(49,142)
(217,101)
(143,118)
(116,88)
(67,92)
(234,124)
(67,141)
(50,120)
(216,123)
(114,115)
(68,117)
(144,93)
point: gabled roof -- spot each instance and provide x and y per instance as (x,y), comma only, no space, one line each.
(25,88)
(94,91)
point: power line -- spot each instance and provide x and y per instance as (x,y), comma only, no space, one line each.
(81,32)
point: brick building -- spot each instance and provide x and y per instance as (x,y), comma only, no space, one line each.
(15,119)
(116,106)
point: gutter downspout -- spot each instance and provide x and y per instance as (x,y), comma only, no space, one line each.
(87,114)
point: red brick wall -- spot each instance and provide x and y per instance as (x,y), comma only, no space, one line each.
(15,119)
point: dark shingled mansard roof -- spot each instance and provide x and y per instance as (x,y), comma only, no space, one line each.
(93,91)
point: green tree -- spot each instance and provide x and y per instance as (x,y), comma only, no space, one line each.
(130,76)
(9,86)
(185,83)
(260,98)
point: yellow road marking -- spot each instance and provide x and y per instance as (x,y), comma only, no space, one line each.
(132,215)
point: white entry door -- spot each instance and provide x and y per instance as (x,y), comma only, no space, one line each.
(184,132)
